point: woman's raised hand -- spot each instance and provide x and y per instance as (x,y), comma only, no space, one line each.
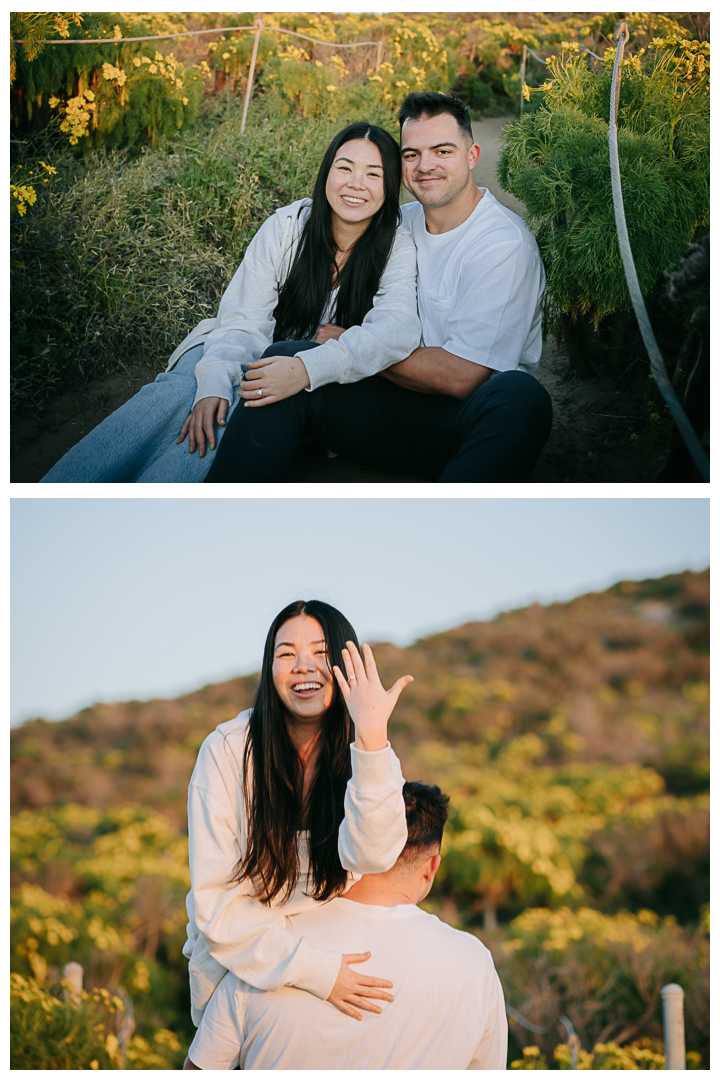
(200,424)
(369,704)
(353,991)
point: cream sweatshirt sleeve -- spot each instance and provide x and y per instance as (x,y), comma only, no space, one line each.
(230,930)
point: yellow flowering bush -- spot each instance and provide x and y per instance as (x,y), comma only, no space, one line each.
(125,93)
(519,829)
(640,1054)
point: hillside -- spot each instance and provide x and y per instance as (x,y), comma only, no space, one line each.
(618,676)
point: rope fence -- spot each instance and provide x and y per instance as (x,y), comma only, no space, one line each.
(257,28)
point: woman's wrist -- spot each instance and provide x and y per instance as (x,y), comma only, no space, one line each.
(370,743)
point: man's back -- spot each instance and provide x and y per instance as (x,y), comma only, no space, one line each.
(448,1011)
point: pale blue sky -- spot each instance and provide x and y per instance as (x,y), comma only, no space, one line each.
(117,598)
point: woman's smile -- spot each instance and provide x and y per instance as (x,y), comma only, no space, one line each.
(306,689)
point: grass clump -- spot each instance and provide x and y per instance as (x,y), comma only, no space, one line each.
(49,1033)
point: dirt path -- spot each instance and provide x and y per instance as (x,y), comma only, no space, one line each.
(589,441)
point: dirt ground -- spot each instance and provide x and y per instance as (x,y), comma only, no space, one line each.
(592,439)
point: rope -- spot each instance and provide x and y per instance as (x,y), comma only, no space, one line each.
(525,1023)
(191,33)
(657,364)
(582,49)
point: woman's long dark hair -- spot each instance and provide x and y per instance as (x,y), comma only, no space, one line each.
(274,781)
(307,288)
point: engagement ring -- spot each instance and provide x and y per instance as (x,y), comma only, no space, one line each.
(350,677)
(259,393)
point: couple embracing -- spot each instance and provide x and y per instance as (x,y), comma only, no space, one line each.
(309,855)
(404,338)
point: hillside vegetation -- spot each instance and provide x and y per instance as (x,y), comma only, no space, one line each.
(573,740)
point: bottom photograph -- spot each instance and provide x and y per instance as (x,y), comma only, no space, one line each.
(360,784)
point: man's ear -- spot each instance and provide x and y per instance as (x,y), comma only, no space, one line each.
(431,867)
(474,155)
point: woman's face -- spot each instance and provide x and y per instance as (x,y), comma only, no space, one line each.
(355,188)
(301,674)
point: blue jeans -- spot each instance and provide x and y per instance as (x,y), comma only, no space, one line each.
(137,443)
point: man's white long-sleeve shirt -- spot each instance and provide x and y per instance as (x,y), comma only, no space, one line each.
(228,929)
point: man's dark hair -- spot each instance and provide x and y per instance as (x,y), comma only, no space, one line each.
(426,809)
(432,104)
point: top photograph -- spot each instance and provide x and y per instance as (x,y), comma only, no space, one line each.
(360,248)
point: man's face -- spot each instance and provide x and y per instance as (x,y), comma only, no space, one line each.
(437,160)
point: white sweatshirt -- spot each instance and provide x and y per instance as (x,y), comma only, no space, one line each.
(228,929)
(244,325)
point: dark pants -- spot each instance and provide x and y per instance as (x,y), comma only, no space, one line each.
(495,435)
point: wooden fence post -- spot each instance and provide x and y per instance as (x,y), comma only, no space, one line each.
(73,973)
(378,60)
(673,1026)
(251,76)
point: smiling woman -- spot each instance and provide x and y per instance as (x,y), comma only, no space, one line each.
(285,811)
(326,293)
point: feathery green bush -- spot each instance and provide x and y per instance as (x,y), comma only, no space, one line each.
(556,161)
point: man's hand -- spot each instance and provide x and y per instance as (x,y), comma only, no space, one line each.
(200,423)
(435,371)
(278,377)
(369,704)
(351,989)
(329,330)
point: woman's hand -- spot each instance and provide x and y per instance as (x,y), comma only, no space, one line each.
(200,424)
(351,989)
(278,377)
(329,330)
(369,705)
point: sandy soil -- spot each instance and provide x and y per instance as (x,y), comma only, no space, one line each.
(591,441)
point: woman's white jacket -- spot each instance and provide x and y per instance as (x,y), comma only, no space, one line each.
(228,929)
(244,325)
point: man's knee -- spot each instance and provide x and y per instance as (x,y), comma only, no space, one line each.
(524,395)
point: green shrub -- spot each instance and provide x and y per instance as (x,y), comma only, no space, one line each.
(556,161)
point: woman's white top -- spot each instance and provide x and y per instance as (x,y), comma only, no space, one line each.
(228,929)
(245,325)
